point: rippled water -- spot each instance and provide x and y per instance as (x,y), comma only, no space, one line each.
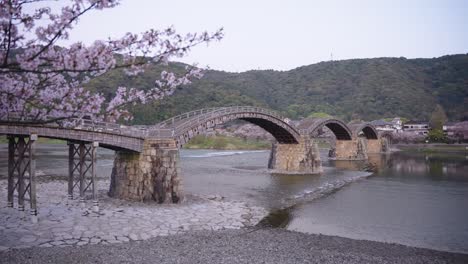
(411,198)
(244,176)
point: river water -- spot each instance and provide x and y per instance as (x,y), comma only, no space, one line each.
(409,198)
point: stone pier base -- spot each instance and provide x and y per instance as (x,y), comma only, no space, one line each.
(380,145)
(302,158)
(374,146)
(354,149)
(385,143)
(152,175)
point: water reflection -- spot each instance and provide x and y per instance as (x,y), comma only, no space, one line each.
(437,166)
(416,199)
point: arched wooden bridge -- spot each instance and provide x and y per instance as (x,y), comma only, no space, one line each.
(190,124)
(143,148)
(185,126)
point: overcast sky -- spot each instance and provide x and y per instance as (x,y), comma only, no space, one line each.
(282,35)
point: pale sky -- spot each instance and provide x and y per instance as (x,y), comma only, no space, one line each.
(282,35)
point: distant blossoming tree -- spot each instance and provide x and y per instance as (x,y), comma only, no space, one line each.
(41,81)
(406,137)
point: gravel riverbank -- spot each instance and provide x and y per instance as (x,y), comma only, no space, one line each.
(236,246)
(65,222)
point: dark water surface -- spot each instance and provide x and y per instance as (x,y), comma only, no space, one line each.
(411,198)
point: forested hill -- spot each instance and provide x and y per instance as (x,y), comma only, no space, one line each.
(351,89)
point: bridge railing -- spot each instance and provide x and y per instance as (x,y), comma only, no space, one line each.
(170,122)
(161,133)
(82,124)
(165,129)
(112,128)
(206,114)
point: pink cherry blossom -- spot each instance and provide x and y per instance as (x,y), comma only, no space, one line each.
(43,82)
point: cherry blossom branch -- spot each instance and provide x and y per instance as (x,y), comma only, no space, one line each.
(44,82)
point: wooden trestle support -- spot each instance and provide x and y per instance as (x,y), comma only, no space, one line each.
(22,172)
(82,171)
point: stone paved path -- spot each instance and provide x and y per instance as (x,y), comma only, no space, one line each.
(65,223)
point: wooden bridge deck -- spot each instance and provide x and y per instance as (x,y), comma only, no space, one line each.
(182,128)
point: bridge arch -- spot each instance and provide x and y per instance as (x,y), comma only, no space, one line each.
(388,136)
(339,128)
(368,130)
(188,125)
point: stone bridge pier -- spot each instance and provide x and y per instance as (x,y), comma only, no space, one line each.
(377,145)
(301,158)
(152,175)
(354,149)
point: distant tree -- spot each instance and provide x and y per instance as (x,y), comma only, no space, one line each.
(293,111)
(407,137)
(438,118)
(355,116)
(464,117)
(436,135)
(404,120)
(356,121)
(319,115)
(43,82)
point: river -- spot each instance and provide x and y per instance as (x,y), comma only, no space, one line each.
(409,198)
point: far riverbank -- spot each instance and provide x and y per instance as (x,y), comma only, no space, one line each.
(220,142)
(433,147)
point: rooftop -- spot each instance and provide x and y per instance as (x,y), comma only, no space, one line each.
(380,122)
(416,122)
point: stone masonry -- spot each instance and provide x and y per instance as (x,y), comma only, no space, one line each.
(374,146)
(385,144)
(296,158)
(354,149)
(152,174)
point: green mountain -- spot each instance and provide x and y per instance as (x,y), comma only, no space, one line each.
(351,89)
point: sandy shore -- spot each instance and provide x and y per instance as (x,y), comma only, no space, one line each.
(236,246)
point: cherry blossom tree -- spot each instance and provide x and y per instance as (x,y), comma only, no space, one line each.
(41,81)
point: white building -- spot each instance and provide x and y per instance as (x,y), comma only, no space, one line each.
(397,123)
(416,127)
